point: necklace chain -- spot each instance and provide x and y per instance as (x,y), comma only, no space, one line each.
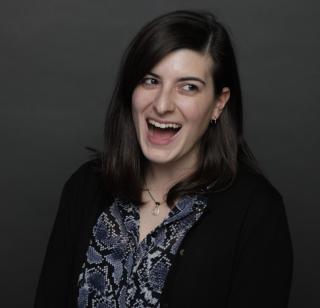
(156,209)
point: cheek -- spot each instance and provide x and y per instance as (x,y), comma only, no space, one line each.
(141,99)
(135,101)
(135,109)
(198,113)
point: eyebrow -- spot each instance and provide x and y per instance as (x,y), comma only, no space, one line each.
(182,78)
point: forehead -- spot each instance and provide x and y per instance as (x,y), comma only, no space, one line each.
(185,62)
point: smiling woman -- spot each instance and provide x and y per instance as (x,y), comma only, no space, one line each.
(174,212)
(172,113)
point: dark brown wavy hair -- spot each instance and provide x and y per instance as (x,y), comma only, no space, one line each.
(223,146)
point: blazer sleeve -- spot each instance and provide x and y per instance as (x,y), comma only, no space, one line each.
(264,263)
(54,282)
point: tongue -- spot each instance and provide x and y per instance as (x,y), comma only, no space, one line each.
(159,134)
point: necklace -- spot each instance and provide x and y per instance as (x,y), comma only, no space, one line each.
(156,209)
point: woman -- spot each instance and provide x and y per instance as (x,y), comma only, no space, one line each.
(175,211)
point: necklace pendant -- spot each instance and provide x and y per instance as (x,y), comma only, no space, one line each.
(156,209)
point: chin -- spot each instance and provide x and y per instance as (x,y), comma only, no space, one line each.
(157,158)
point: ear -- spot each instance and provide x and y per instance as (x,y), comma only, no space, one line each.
(220,102)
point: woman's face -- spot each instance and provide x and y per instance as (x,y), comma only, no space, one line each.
(172,107)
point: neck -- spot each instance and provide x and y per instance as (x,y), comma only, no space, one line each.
(161,177)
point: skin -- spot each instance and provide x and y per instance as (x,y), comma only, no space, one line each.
(190,102)
(164,96)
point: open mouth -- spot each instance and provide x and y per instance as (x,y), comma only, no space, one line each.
(162,132)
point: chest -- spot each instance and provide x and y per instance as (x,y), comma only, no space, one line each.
(115,256)
(148,221)
(203,261)
(202,270)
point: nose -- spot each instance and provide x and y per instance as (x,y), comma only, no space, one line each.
(164,101)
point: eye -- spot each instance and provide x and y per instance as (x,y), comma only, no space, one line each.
(149,82)
(190,87)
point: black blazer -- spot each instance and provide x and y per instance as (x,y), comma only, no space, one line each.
(238,254)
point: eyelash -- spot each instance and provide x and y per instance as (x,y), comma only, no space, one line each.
(195,88)
(144,82)
(148,78)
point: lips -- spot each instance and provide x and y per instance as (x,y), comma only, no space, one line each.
(162,132)
(163,124)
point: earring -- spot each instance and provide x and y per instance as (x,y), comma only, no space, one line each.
(214,120)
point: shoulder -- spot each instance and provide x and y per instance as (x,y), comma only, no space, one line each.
(84,192)
(263,199)
(250,192)
(264,218)
(86,177)
(257,183)
(91,168)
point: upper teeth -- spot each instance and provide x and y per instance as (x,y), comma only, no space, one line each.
(163,125)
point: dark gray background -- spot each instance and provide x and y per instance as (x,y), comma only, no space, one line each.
(58,64)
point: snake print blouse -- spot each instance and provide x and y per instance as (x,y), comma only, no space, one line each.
(119,271)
